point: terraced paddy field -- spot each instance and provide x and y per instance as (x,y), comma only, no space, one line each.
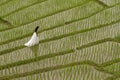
(79,40)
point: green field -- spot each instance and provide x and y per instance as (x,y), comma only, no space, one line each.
(79,40)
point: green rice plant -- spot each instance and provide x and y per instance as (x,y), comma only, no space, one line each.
(79,40)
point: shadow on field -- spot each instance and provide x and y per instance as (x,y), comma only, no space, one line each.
(35,50)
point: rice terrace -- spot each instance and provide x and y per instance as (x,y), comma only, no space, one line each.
(78,40)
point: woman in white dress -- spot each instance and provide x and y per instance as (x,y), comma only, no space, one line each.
(34,39)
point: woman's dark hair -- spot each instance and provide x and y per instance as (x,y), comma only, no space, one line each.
(36,28)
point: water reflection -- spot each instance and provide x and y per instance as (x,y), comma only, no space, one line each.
(35,50)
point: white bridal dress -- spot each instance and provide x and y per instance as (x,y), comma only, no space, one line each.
(33,41)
